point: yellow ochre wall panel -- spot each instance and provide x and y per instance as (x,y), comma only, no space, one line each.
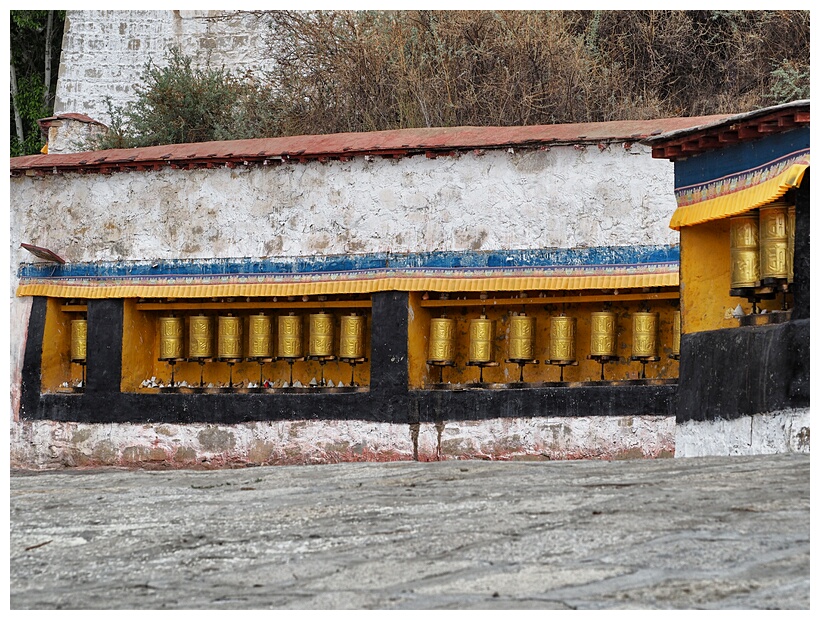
(705,279)
(56,367)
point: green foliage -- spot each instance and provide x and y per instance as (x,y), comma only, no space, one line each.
(789,83)
(28,33)
(180,102)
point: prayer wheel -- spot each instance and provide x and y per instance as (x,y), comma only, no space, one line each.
(320,335)
(482,333)
(442,348)
(290,337)
(200,337)
(602,335)
(79,340)
(171,330)
(260,340)
(790,226)
(351,339)
(522,338)
(676,333)
(774,241)
(645,334)
(229,338)
(562,339)
(744,251)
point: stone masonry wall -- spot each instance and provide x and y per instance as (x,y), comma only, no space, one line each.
(106,51)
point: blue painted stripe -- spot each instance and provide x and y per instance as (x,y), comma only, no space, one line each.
(738,158)
(581,257)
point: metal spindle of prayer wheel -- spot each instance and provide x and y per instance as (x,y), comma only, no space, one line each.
(289,345)
(482,334)
(171,345)
(441,351)
(562,342)
(774,242)
(320,340)
(675,354)
(200,342)
(645,339)
(602,338)
(229,342)
(351,341)
(260,342)
(79,345)
(521,349)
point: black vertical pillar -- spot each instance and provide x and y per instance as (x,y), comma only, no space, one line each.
(388,344)
(104,352)
(31,373)
(801,250)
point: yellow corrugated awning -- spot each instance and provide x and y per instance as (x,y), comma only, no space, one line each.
(737,202)
(666,277)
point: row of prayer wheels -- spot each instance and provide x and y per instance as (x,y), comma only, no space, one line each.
(762,247)
(290,342)
(562,350)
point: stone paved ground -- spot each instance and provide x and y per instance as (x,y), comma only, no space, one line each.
(668,533)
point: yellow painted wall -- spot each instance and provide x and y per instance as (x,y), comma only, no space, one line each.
(706,280)
(56,366)
(422,374)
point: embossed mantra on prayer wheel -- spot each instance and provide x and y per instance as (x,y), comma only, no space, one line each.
(562,339)
(351,340)
(744,251)
(522,337)
(790,225)
(676,334)
(171,330)
(320,339)
(229,338)
(481,340)
(290,337)
(442,347)
(645,334)
(602,335)
(774,241)
(79,342)
(260,340)
(200,337)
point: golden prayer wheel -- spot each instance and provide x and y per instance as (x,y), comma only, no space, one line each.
(790,226)
(562,339)
(260,340)
(290,336)
(774,242)
(442,347)
(200,337)
(676,333)
(522,337)
(79,340)
(602,334)
(351,340)
(744,251)
(229,338)
(645,334)
(171,330)
(481,340)
(320,339)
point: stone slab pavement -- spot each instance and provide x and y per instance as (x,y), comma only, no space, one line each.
(723,533)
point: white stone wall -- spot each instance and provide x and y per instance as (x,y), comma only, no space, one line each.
(563,197)
(105,52)
(49,444)
(769,433)
(530,199)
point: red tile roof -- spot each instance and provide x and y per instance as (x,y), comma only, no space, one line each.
(394,143)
